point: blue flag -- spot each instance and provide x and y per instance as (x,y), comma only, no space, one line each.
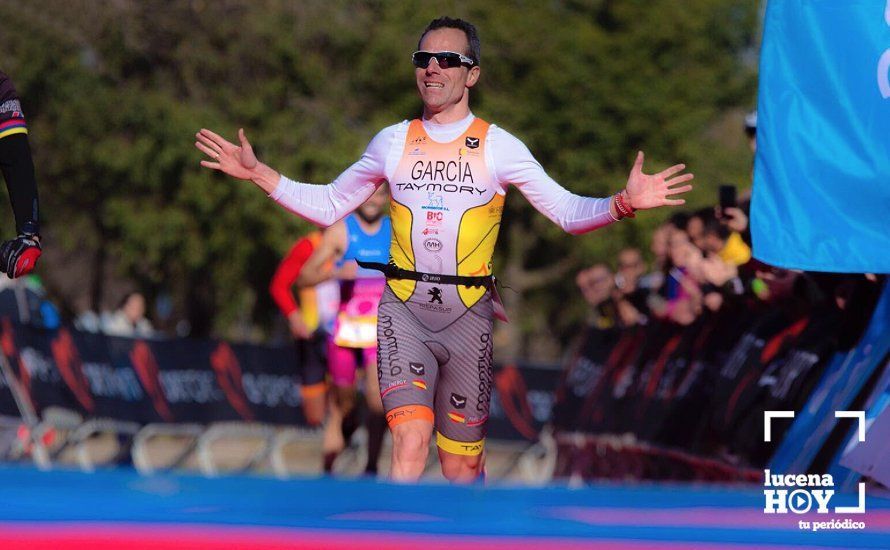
(822,172)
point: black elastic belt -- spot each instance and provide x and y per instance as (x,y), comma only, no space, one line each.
(392,271)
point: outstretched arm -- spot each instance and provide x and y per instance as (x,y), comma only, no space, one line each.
(514,164)
(320,204)
(576,214)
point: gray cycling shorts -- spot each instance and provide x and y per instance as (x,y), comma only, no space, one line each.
(434,363)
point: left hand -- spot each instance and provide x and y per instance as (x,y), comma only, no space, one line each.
(651,191)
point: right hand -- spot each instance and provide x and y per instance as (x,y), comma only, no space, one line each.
(734,218)
(237,161)
(298,328)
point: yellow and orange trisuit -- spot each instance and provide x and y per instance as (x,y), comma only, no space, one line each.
(448,183)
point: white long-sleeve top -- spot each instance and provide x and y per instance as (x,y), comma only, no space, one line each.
(508,160)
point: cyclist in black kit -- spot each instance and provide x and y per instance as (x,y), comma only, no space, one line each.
(18,256)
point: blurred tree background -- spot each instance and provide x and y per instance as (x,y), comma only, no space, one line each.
(115,90)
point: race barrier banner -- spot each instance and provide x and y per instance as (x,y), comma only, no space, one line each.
(153,381)
(668,394)
(204,381)
(682,393)
(870,456)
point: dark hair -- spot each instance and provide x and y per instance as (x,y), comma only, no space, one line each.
(711,225)
(679,220)
(475,48)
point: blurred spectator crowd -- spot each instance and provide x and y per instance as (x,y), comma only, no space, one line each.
(700,260)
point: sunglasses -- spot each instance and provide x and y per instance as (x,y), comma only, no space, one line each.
(446,60)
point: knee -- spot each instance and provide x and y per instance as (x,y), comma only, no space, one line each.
(410,444)
(461,468)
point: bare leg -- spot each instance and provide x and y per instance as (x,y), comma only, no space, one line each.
(461,468)
(376,421)
(341,424)
(411,446)
(314,404)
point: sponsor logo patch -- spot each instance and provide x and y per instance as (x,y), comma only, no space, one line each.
(435,295)
(458,401)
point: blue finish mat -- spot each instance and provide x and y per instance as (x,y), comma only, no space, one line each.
(695,514)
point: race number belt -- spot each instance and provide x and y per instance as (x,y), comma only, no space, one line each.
(392,271)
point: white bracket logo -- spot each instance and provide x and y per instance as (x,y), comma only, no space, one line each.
(859,415)
(768,418)
(769,415)
(860,509)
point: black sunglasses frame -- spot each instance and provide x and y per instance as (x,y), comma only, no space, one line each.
(445,60)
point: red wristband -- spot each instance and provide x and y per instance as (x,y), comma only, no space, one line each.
(622,206)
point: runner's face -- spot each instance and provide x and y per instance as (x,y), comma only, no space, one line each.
(696,230)
(680,248)
(372,209)
(596,284)
(659,246)
(631,266)
(443,88)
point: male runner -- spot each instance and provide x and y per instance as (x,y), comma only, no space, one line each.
(310,323)
(448,173)
(18,256)
(361,236)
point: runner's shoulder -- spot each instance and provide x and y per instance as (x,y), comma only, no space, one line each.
(498,134)
(505,147)
(391,131)
(386,138)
